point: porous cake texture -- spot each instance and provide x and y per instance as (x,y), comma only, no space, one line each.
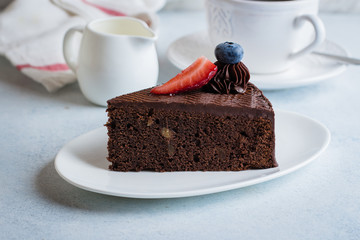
(193,131)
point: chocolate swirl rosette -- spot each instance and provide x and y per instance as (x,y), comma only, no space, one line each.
(232,75)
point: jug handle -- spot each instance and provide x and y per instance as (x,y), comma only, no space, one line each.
(68,47)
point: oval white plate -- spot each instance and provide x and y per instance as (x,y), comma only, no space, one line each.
(307,70)
(82,162)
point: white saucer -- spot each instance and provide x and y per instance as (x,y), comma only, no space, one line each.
(82,162)
(307,70)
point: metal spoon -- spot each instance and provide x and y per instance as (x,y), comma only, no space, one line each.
(339,58)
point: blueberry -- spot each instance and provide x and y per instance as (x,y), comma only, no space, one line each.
(229,52)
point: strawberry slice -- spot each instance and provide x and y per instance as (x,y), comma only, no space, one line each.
(193,77)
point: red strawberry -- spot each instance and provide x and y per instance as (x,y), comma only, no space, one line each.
(193,77)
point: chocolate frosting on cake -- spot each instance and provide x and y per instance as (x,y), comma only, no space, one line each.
(230,78)
(251,101)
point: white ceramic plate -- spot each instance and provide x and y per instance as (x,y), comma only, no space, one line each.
(307,70)
(82,162)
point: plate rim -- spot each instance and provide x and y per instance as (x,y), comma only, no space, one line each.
(276,172)
(263,85)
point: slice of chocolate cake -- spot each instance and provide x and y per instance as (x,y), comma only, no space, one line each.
(194,131)
(226,125)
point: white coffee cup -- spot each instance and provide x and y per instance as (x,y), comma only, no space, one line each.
(274,34)
(117,56)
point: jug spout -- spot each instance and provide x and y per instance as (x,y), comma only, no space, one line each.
(146,30)
(138,28)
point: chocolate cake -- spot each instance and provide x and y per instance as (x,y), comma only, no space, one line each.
(226,125)
(195,131)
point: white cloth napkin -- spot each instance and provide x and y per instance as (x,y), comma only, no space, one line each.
(31,32)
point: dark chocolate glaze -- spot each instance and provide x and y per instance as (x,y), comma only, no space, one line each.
(252,102)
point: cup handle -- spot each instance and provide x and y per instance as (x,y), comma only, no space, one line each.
(319,34)
(68,47)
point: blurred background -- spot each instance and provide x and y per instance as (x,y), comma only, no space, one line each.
(351,6)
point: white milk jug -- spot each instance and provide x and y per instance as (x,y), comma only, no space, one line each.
(117,56)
